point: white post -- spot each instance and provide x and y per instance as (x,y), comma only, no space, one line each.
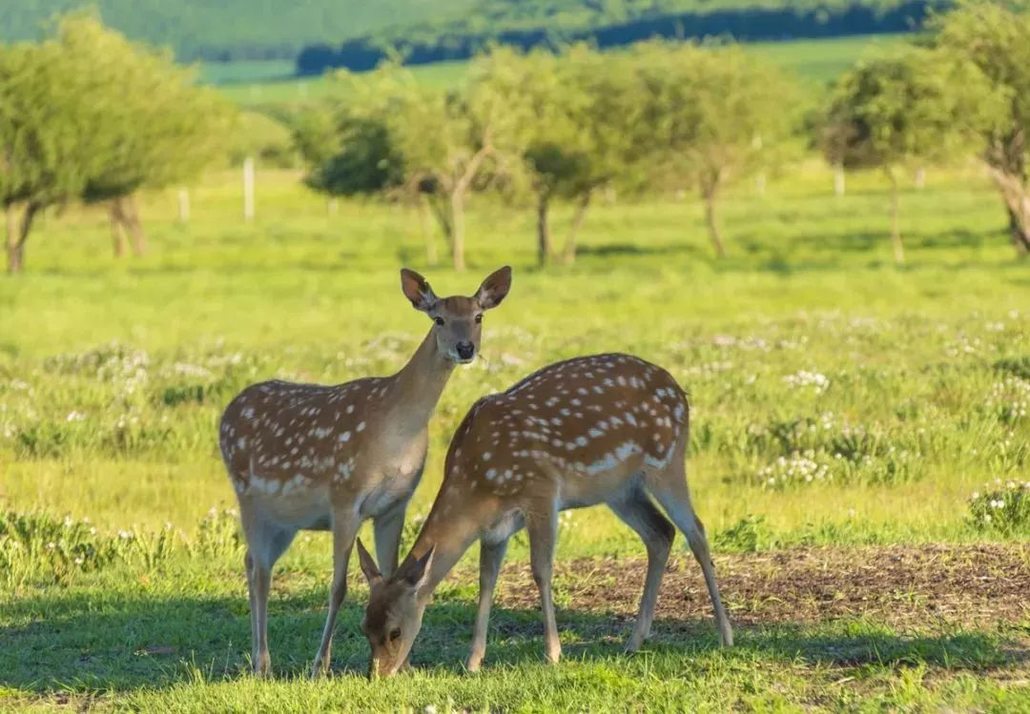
(184,205)
(839,185)
(248,189)
(921,177)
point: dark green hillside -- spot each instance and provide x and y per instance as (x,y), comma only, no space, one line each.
(460,39)
(265,29)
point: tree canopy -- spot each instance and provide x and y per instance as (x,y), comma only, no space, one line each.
(995,37)
(87,114)
(915,107)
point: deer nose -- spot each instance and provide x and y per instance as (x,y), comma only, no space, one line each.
(465,349)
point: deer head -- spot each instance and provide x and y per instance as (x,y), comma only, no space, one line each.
(457,318)
(393,617)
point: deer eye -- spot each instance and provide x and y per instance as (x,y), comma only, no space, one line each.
(438,320)
(395,633)
(479,318)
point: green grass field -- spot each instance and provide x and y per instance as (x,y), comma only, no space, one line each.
(844,412)
(814,62)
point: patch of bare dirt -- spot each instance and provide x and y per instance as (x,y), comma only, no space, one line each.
(982,585)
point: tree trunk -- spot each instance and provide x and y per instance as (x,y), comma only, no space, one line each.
(423,226)
(709,194)
(543,229)
(14,254)
(1019,237)
(899,247)
(17,237)
(117,219)
(135,227)
(569,253)
(1016,196)
(458,229)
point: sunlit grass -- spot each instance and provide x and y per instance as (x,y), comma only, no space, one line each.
(904,385)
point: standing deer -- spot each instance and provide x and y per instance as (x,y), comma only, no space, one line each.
(607,429)
(314,457)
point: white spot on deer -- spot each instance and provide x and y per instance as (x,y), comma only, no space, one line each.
(361,426)
(248,413)
(486,456)
(595,433)
(581,440)
(490,473)
(621,380)
(630,418)
(344,437)
(626,449)
(350,409)
(655,463)
(602,465)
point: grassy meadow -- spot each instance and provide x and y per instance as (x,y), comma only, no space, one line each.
(845,411)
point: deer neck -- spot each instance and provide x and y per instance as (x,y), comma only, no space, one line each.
(417,387)
(451,531)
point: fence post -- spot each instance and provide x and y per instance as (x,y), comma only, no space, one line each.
(921,178)
(184,205)
(248,189)
(839,182)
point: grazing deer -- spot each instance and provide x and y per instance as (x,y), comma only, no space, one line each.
(607,429)
(314,457)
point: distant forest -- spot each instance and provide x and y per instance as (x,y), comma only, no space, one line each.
(766,21)
(356,33)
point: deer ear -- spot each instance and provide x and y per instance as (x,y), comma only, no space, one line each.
(494,288)
(368,566)
(417,290)
(417,573)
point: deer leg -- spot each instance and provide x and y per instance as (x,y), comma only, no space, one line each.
(388,527)
(636,510)
(542,529)
(490,557)
(672,493)
(265,543)
(255,652)
(345,530)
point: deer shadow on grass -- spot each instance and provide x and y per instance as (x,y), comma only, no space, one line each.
(80,643)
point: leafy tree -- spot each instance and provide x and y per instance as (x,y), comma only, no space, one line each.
(448,143)
(583,132)
(715,114)
(996,39)
(904,110)
(50,136)
(85,114)
(159,128)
